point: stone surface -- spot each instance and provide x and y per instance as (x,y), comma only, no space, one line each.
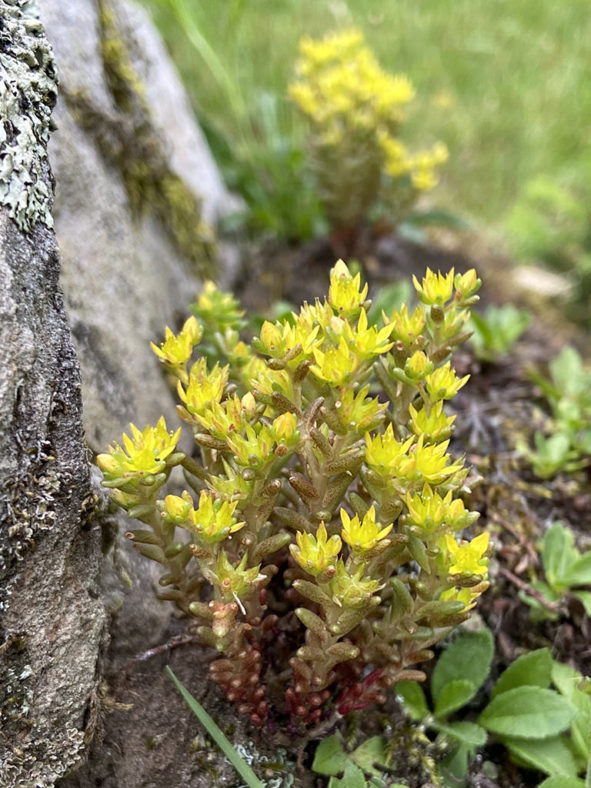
(75,601)
(52,620)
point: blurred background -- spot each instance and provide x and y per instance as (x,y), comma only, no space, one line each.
(505,85)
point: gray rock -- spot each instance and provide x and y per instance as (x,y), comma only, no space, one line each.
(135,189)
(52,620)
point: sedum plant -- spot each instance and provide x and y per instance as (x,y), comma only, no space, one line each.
(317,543)
(355,111)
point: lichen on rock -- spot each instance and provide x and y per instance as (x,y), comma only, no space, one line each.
(28,92)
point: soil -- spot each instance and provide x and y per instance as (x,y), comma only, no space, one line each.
(149,737)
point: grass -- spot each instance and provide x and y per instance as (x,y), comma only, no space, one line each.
(506,85)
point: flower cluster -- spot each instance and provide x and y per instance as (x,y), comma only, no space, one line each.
(325,541)
(355,112)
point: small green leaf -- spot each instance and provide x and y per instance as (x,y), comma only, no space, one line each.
(468,657)
(455,765)
(532,669)
(370,752)
(562,782)
(352,778)
(528,712)
(453,696)
(558,551)
(579,573)
(468,733)
(413,699)
(585,598)
(569,682)
(552,755)
(216,734)
(330,758)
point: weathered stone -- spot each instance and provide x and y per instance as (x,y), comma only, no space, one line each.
(127,218)
(52,620)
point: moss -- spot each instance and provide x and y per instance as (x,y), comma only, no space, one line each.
(28,91)
(140,154)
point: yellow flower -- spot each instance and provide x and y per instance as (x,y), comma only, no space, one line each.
(336,365)
(406,328)
(284,428)
(253,447)
(213,520)
(467,284)
(367,342)
(175,351)
(351,591)
(435,287)
(428,510)
(466,595)
(384,452)
(424,463)
(364,535)
(316,553)
(433,425)
(177,509)
(443,383)
(203,389)
(358,412)
(235,581)
(283,339)
(345,295)
(218,309)
(467,558)
(429,463)
(145,453)
(418,366)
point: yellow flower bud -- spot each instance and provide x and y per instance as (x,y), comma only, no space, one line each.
(315,553)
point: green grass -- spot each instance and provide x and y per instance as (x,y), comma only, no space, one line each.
(506,84)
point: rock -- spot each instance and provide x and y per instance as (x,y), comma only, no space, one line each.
(52,620)
(136,191)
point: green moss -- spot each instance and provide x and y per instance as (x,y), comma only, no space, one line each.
(139,153)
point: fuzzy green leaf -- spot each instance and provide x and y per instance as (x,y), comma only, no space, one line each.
(352,778)
(558,552)
(562,782)
(330,758)
(585,598)
(370,752)
(532,669)
(552,755)
(216,734)
(413,699)
(579,573)
(467,658)
(569,681)
(528,712)
(467,733)
(453,696)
